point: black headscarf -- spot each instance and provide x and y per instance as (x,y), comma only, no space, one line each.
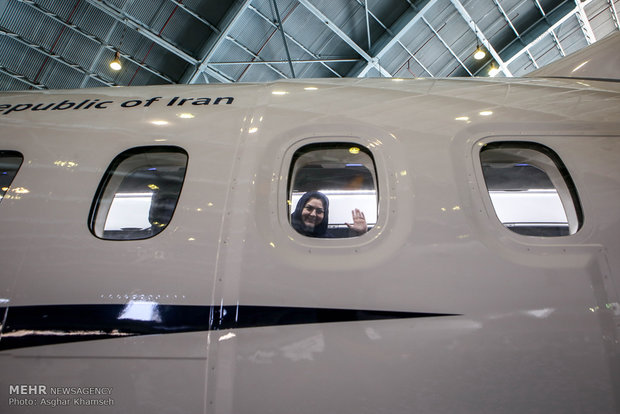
(321,229)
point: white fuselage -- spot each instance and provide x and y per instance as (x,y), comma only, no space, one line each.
(523,324)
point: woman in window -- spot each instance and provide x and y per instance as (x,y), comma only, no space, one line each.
(311,217)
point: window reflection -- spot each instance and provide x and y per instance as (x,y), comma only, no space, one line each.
(10,161)
(530,189)
(141,311)
(139,193)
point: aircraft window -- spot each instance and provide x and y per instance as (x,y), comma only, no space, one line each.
(10,161)
(530,189)
(333,191)
(138,193)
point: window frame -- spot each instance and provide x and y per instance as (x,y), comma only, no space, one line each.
(280,184)
(101,204)
(559,176)
(11,153)
(317,146)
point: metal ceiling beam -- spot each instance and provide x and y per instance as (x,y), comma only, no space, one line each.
(558,44)
(391,34)
(146,32)
(94,38)
(203,64)
(288,55)
(374,62)
(292,39)
(54,56)
(514,29)
(503,12)
(215,73)
(446,45)
(21,78)
(584,22)
(539,7)
(529,54)
(141,28)
(277,62)
(195,15)
(481,37)
(545,33)
(555,37)
(100,51)
(396,38)
(540,26)
(368,12)
(254,55)
(367,24)
(412,56)
(614,13)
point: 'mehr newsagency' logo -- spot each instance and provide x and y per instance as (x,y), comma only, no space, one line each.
(43,395)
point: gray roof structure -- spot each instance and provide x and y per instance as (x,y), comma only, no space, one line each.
(54,44)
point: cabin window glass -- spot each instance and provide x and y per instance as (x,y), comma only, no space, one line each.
(10,161)
(530,189)
(138,194)
(344,177)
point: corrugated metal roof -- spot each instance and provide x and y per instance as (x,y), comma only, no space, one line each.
(69,44)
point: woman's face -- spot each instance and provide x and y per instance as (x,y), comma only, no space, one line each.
(312,213)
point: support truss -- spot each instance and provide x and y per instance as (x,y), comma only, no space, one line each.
(203,65)
(94,38)
(401,44)
(54,56)
(295,41)
(142,29)
(255,56)
(373,62)
(584,23)
(21,78)
(446,45)
(503,12)
(614,13)
(281,29)
(396,39)
(283,62)
(545,33)
(481,37)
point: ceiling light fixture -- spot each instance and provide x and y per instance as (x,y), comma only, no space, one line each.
(116,63)
(493,70)
(479,53)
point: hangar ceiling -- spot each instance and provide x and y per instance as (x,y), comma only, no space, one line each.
(52,44)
